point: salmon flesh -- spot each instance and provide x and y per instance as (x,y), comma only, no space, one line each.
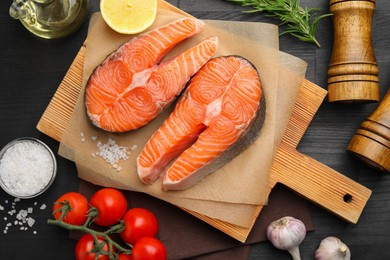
(131,87)
(219,115)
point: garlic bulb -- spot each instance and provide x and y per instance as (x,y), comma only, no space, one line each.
(332,248)
(287,233)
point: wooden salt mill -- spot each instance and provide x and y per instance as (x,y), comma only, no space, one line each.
(353,70)
(371,143)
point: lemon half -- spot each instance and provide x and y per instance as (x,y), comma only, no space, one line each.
(128,16)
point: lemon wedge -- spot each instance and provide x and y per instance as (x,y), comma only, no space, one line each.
(128,16)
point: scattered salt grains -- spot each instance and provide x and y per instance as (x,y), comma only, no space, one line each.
(21,219)
(111,152)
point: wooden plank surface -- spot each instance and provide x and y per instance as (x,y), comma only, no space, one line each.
(330,186)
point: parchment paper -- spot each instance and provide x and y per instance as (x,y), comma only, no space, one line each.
(244,180)
(222,184)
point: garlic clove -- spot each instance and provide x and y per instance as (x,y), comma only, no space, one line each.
(287,233)
(332,248)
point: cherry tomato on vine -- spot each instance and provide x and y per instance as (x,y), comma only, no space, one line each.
(77,213)
(148,248)
(139,222)
(111,206)
(84,246)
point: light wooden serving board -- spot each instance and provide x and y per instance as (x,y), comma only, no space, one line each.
(304,175)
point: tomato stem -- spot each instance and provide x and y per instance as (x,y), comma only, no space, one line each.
(65,208)
(116,228)
(105,235)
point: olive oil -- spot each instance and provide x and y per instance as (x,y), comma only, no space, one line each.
(50,19)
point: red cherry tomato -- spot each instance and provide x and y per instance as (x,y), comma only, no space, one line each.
(85,245)
(148,248)
(77,214)
(111,205)
(124,257)
(139,222)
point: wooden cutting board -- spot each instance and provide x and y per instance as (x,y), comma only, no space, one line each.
(304,175)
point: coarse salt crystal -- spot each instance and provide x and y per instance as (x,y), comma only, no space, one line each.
(30,221)
(23,213)
(26,167)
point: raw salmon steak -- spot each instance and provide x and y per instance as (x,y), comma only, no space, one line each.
(219,115)
(131,87)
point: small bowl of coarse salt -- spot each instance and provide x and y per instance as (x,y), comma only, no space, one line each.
(27,167)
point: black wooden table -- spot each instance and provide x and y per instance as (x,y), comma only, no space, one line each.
(32,68)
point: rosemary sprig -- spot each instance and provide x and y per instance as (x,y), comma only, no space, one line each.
(300,21)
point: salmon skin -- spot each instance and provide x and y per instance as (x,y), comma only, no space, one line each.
(219,115)
(131,88)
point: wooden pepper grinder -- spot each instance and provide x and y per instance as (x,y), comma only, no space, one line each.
(353,70)
(371,143)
